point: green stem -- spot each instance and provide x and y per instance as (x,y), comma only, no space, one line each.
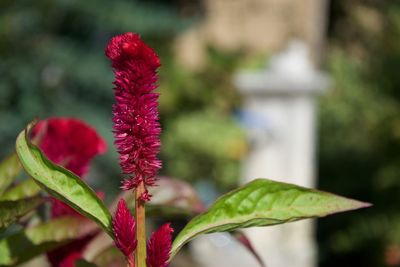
(140,227)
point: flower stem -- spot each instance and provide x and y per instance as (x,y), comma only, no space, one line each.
(140,227)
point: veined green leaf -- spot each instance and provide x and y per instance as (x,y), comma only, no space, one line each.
(25,189)
(25,245)
(9,169)
(263,202)
(61,183)
(11,211)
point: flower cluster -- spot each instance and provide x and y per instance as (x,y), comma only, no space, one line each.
(73,144)
(136,132)
(135,114)
(158,246)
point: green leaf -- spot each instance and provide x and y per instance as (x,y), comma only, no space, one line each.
(27,244)
(9,169)
(25,189)
(263,202)
(61,183)
(11,211)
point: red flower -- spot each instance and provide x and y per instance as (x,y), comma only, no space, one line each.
(159,247)
(69,142)
(124,228)
(72,144)
(59,208)
(135,114)
(70,260)
(65,256)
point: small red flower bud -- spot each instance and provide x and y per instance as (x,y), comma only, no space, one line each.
(124,227)
(159,247)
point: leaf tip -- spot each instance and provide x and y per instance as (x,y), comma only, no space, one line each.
(348,204)
(362,205)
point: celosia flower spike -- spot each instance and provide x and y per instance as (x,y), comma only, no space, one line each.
(73,144)
(135,114)
(69,142)
(124,228)
(159,247)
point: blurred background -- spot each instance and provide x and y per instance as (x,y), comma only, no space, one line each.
(52,64)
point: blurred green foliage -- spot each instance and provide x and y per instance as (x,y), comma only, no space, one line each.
(52,64)
(360,134)
(205,145)
(201,140)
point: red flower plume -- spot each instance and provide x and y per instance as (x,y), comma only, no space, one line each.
(73,144)
(124,227)
(135,114)
(69,142)
(159,247)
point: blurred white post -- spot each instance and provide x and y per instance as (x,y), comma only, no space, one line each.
(283,145)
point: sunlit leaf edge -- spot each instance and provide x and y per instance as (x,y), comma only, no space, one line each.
(30,155)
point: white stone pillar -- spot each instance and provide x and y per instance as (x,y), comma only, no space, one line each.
(284,97)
